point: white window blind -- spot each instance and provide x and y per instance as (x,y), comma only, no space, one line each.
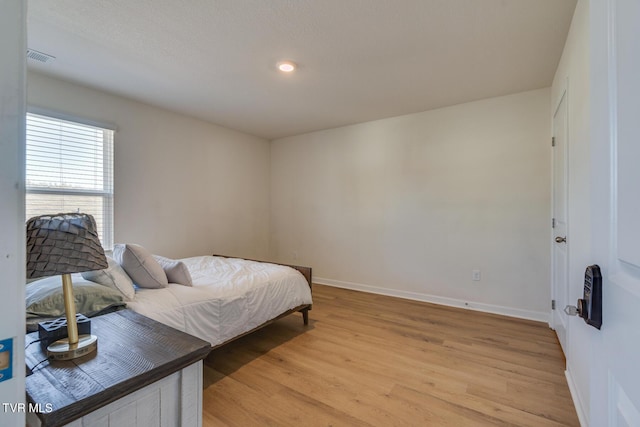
(70,169)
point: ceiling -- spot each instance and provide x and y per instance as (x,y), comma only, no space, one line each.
(359,60)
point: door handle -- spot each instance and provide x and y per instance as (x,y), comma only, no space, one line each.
(561,239)
(572,310)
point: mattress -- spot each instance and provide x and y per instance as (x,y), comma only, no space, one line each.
(229,296)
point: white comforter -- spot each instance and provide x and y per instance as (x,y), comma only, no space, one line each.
(229,296)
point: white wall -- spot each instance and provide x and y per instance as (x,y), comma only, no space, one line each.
(12,244)
(183,186)
(410,205)
(573,74)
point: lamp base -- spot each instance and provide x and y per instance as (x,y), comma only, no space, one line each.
(62,350)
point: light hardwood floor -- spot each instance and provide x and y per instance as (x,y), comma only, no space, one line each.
(374,360)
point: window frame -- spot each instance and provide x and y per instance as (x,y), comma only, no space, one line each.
(108,170)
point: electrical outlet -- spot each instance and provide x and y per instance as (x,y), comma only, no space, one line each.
(294,254)
(475,275)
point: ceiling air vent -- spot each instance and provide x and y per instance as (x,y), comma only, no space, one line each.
(39,56)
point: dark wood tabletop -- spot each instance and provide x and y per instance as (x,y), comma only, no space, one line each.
(133,352)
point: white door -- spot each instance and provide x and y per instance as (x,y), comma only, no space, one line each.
(615,178)
(559,221)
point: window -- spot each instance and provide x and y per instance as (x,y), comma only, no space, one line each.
(70,169)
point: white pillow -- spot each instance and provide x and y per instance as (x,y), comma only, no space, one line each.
(113,277)
(176,271)
(140,265)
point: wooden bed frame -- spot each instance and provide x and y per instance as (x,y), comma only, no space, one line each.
(304,309)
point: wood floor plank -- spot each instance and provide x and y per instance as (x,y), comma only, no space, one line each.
(373,360)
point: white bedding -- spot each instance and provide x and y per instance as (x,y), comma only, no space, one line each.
(229,296)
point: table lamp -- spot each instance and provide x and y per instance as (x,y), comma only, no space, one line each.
(62,244)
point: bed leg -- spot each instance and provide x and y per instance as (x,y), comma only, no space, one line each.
(305,316)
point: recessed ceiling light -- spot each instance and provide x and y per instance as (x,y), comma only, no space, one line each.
(286,66)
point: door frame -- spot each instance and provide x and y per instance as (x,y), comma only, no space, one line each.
(564,95)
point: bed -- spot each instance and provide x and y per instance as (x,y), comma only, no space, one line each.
(229,297)
(215,298)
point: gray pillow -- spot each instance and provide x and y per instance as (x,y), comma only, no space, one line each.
(44,297)
(114,277)
(140,265)
(176,271)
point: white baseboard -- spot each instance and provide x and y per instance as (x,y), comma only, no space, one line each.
(577,401)
(452,302)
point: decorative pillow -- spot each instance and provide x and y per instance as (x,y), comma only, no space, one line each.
(176,271)
(140,265)
(114,277)
(45,298)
